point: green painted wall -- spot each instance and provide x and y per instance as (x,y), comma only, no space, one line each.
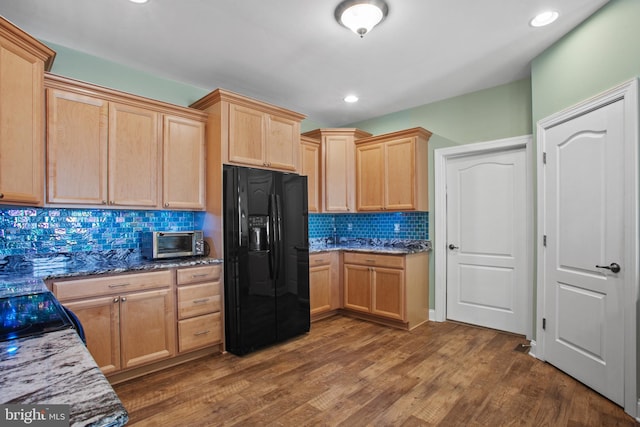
(81,66)
(499,112)
(597,55)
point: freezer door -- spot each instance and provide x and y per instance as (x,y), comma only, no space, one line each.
(250,306)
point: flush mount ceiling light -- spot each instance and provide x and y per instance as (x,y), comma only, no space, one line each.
(138,1)
(544,18)
(350,99)
(360,16)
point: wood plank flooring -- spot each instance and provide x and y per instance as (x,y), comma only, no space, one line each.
(348,372)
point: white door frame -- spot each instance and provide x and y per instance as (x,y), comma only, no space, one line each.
(440,158)
(628,92)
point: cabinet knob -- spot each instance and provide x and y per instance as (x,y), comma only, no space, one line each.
(116,299)
(1,196)
(104,202)
(123,299)
(166,205)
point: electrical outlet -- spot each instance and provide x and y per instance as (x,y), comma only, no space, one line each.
(396,228)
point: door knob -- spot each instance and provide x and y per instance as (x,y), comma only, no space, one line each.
(614,267)
(452,246)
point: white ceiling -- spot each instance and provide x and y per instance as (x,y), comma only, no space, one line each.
(294,54)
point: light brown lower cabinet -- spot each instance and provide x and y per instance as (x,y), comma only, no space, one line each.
(324,284)
(128,320)
(199,304)
(393,289)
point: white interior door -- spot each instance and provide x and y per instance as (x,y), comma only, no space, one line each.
(487,250)
(584,226)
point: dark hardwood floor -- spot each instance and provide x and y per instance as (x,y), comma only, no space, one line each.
(352,373)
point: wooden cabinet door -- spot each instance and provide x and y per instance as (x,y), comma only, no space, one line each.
(133,156)
(77,140)
(147,327)
(184,163)
(246,136)
(320,289)
(21,125)
(100,318)
(338,173)
(399,176)
(357,287)
(370,177)
(310,167)
(282,143)
(388,293)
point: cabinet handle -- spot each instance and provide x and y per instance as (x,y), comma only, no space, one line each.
(320,260)
(119,285)
(201,333)
(371,260)
(200,301)
(195,276)
(123,299)
(116,299)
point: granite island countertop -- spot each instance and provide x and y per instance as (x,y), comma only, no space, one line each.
(56,368)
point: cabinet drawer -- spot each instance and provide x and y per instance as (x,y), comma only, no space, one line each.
(199,274)
(199,332)
(195,300)
(319,259)
(96,286)
(374,260)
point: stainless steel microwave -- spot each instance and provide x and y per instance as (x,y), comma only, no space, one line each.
(172,244)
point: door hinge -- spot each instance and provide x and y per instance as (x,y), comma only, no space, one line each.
(544,240)
(544,323)
(544,158)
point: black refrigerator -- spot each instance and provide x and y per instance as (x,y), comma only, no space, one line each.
(266,257)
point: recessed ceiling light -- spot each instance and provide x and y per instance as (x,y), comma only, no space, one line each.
(350,99)
(138,1)
(544,18)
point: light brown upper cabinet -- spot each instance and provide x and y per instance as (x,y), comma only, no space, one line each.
(23,60)
(134,144)
(106,148)
(338,171)
(252,133)
(310,167)
(183,163)
(391,171)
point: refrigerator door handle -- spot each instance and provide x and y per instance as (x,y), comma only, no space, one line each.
(272,235)
(278,243)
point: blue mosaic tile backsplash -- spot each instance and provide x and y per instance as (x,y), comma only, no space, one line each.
(393,225)
(42,231)
(39,231)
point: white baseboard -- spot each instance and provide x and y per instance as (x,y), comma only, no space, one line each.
(432,315)
(533,349)
(638,412)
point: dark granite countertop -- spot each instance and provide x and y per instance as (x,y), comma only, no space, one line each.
(58,266)
(370,245)
(56,368)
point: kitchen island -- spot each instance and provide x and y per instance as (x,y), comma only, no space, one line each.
(56,368)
